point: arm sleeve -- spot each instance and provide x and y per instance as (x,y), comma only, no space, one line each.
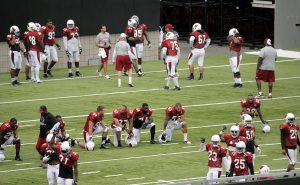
(192,38)
(282,137)
(207,42)
(65,42)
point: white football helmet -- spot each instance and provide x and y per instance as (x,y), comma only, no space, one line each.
(234,131)
(132,23)
(290,118)
(248,121)
(170,35)
(136,18)
(197,27)
(130,141)
(65,148)
(264,169)
(70,24)
(266,128)
(15,30)
(162,138)
(240,147)
(38,26)
(232,32)
(31,26)
(123,35)
(49,137)
(215,139)
(90,145)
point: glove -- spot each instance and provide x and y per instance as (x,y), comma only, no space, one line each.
(46,158)
(202,140)
(227,174)
(149,44)
(223,129)
(264,122)
(58,46)
(68,53)
(258,150)
(80,50)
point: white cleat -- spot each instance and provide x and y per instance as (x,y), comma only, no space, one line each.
(187,142)
(106,77)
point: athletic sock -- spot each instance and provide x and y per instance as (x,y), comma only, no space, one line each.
(152,132)
(185,136)
(70,70)
(175,80)
(130,80)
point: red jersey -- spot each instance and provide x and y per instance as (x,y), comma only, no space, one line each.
(49,35)
(172,47)
(16,46)
(7,131)
(235,47)
(241,162)
(291,134)
(139,33)
(215,155)
(130,32)
(47,150)
(123,118)
(173,114)
(71,33)
(200,39)
(231,142)
(33,37)
(251,107)
(140,117)
(94,117)
(248,132)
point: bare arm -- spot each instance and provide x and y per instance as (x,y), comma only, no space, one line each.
(259,63)
(75,166)
(166,122)
(116,122)
(52,143)
(91,128)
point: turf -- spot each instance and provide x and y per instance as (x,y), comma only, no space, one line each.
(211,103)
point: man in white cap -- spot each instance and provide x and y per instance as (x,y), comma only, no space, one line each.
(266,67)
(121,57)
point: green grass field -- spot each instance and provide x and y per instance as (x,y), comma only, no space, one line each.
(210,104)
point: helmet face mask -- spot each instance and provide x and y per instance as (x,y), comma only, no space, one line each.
(290,118)
(247,119)
(197,27)
(170,36)
(136,18)
(240,147)
(15,30)
(234,131)
(132,23)
(70,24)
(31,26)
(65,148)
(215,140)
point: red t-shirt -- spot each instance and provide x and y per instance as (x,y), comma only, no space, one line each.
(241,162)
(94,117)
(49,35)
(200,39)
(172,47)
(215,155)
(291,134)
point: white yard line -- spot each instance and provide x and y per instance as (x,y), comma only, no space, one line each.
(261,156)
(87,173)
(279,159)
(116,175)
(137,178)
(169,144)
(20,164)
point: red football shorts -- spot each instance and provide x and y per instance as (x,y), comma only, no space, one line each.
(39,143)
(265,75)
(104,60)
(123,62)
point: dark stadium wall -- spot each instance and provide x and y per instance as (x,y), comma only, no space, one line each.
(87,14)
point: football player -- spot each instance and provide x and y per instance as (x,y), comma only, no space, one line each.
(290,140)
(142,119)
(174,120)
(48,32)
(241,161)
(170,53)
(121,57)
(216,155)
(121,117)
(235,56)
(94,125)
(130,31)
(72,46)
(15,46)
(199,40)
(50,158)
(34,46)
(68,168)
(247,130)
(139,34)
(103,42)
(59,127)
(251,106)
(9,136)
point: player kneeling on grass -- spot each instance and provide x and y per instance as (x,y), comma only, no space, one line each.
(51,159)
(68,168)
(216,154)
(9,136)
(241,161)
(93,125)
(142,119)
(174,120)
(290,140)
(60,128)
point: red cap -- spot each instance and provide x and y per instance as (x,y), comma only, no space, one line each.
(268,42)
(169,26)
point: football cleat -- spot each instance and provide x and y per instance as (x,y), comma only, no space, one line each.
(130,85)
(78,74)
(106,77)
(125,73)
(18,158)
(38,81)
(70,75)
(28,78)
(103,146)
(49,73)
(152,142)
(200,77)
(190,78)
(45,75)
(235,85)
(259,96)
(18,83)
(270,96)
(176,88)
(120,145)
(187,142)
(14,83)
(166,88)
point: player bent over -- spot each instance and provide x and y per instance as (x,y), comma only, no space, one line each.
(51,159)
(174,120)
(121,117)
(9,136)
(216,155)
(290,140)
(142,119)
(68,168)
(94,125)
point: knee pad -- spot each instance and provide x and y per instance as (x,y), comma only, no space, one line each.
(237,74)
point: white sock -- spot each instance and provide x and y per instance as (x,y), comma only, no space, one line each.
(260,93)
(32,72)
(185,136)
(119,82)
(130,80)
(139,66)
(70,70)
(239,80)
(37,73)
(175,80)
(77,69)
(270,94)
(236,80)
(13,79)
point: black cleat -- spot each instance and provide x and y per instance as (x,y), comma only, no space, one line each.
(152,142)
(166,88)
(190,78)
(125,73)
(107,140)
(14,83)
(18,158)
(45,75)
(103,146)
(28,78)
(18,83)
(120,145)
(73,142)
(49,73)
(70,75)
(130,85)
(78,74)
(176,88)
(240,85)
(200,77)
(235,85)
